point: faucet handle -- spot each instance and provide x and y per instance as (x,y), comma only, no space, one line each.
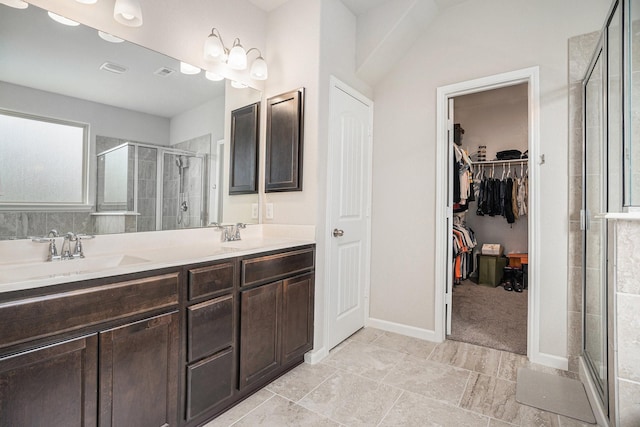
(216,225)
(241,225)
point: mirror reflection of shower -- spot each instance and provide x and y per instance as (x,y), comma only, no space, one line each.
(183,198)
(144,187)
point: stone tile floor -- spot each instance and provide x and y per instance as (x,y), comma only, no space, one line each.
(378,378)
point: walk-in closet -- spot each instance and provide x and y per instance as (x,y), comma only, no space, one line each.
(490,218)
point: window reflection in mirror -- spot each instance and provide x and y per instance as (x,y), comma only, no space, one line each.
(34,155)
(160,107)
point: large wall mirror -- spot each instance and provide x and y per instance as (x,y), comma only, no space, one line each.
(151,152)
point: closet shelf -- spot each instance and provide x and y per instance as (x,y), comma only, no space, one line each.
(500,162)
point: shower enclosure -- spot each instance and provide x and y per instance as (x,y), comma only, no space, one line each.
(152,187)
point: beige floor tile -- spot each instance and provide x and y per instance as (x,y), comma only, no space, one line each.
(366,335)
(497,423)
(414,410)
(365,359)
(295,384)
(493,397)
(431,379)
(402,343)
(240,410)
(533,417)
(280,412)
(351,399)
(570,422)
(510,363)
(468,356)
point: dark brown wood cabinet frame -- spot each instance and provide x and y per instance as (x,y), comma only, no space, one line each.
(285,130)
(245,136)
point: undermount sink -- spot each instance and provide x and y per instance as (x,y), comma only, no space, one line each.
(36,270)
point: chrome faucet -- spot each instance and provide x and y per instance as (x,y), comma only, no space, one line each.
(66,252)
(229,233)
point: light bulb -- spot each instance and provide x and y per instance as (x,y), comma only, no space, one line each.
(16,4)
(109,37)
(188,68)
(128,12)
(87,1)
(237,57)
(62,20)
(215,77)
(259,69)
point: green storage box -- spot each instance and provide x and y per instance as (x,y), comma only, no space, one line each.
(491,270)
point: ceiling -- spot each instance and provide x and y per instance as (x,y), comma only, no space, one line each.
(358,7)
(40,53)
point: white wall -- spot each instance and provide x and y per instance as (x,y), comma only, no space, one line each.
(472,40)
(207,118)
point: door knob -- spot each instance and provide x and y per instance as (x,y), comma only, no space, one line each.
(338,233)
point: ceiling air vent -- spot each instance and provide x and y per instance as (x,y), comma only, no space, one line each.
(164,71)
(114,68)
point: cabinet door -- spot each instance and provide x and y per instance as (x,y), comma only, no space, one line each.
(259,332)
(210,382)
(138,373)
(209,327)
(50,386)
(297,316)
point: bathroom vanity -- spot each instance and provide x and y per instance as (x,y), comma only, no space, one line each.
(162,343)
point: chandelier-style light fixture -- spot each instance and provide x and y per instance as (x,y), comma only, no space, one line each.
(236,57)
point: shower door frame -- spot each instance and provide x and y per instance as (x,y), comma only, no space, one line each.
(162,150)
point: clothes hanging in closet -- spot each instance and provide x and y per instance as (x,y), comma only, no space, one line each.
(463,243)
(462,180)
(505,197)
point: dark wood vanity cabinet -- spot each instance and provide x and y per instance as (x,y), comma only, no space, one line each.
(174,347)
(139,373)
(276,326)
(211,324)
(120,371)
(54,385)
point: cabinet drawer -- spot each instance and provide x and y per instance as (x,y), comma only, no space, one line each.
(210,327)
(209,382)
(273,267)
(43,316)
(207,281)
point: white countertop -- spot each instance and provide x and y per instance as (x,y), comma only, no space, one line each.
(112,255)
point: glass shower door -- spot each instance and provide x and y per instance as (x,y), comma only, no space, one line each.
(594,225)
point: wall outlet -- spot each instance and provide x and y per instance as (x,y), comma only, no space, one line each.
(254,211)
(269,210)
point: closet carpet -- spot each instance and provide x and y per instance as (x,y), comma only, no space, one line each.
(490,317)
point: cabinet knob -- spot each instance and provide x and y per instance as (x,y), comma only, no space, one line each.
(338,233)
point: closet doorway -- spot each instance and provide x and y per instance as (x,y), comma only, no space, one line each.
(469,104)
(489,301)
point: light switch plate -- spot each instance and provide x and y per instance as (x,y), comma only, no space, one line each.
(269,210)
(254,211)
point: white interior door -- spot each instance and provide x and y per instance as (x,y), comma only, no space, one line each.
(348,211)
(449,217)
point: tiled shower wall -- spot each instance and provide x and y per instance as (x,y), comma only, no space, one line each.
(581,50)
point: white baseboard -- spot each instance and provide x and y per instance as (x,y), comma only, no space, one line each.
(315,356)
(550,360)
(398,328)
(592,394)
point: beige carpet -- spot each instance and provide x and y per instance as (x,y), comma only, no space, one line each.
(490,317)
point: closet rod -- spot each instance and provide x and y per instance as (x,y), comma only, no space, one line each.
(500,162)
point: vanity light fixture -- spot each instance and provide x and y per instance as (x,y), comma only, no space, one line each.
(16,4)
(109,37)
(62,20)
(188,68)
(214,77)
(236,57)
(128,12)
(87,1)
